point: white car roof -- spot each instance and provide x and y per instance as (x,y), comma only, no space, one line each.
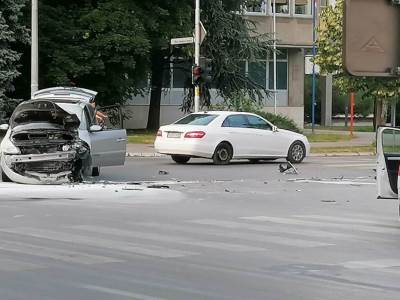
(66,93)
(224,113)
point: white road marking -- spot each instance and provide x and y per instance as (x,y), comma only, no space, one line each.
(237,235)
(356,165)
(338,182)
(122,293)
(366,228)
(17,265)
(264,228)
(99,242)
(56,254)
(345,220)
(372,264)
(168,238)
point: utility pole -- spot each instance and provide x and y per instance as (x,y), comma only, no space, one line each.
(314,53)
(197,55)
(274,37)
(34,49)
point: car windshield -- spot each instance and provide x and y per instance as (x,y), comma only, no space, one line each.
(197,119)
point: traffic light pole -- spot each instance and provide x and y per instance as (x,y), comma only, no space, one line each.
(34,49)
(197,55)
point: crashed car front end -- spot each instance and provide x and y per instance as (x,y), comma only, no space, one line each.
(43,146)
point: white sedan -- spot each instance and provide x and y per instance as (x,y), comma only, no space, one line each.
(223,136)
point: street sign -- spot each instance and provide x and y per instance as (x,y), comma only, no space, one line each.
(182,41)
(203,33)
(371,38)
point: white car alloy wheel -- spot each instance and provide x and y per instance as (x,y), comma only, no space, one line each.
(296,152)
(223,154)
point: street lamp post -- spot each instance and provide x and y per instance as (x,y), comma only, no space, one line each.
(274,37)
(314,52)
(34,49)
(197,54)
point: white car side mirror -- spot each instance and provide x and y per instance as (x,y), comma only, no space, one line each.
(95,128)
(274,129)
(4,127)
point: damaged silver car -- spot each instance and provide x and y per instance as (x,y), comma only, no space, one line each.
(54,138)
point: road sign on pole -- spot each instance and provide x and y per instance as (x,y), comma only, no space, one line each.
(203,33)
(182,41)
(372,38)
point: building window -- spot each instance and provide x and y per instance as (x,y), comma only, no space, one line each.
(281,75)
(256,6)
(282,6)
(257,71)
(303,7)
(262,71)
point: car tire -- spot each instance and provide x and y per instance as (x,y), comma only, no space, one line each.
(223,154)
(180,159)
(4,177)
(296,153)
(96,171)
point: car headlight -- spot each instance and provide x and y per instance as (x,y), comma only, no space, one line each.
(7,147)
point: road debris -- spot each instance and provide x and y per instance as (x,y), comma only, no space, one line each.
(288,169)
(158,186)
(162,172)
(328,201)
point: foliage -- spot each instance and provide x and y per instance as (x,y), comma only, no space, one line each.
(101,45)
(12,33)
(231,39)
(329,58)
(241,102)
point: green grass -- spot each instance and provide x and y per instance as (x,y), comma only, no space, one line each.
(141,136)
(351,149)
(343,128)
(328,137)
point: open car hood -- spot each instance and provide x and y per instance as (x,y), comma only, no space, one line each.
(66,93)
(43,112)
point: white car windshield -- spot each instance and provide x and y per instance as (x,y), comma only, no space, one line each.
(197,119)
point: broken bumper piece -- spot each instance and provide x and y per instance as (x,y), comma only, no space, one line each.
(51,168)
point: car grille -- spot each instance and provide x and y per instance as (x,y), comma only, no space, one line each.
(45,167)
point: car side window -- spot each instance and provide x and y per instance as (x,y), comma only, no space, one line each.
(90,116)
(237,121)
(258,123)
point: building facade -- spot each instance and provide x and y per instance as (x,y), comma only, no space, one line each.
(294,28)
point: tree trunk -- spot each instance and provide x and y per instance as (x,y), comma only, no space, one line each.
(380,113)
(153,122)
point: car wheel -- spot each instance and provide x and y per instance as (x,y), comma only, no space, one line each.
(4,177)
(95,171)
(180,159)
(296,153)
(223,154)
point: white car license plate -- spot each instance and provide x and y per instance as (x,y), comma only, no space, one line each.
(175,135)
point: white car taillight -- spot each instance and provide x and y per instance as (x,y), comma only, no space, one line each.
(195,134)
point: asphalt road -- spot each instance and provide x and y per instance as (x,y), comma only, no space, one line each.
(200,231)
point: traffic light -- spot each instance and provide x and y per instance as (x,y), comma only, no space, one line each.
(372,37)
(206,67)
(196,74)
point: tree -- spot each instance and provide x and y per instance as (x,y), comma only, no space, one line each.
(12,33)
(231,39)
(101,45)
(329,58)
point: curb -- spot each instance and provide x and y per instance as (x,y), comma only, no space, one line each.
(144,154)
(338,154)
(334,154)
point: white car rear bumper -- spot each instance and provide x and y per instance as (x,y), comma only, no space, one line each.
(189,147)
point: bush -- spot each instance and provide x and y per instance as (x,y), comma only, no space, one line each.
(279,121)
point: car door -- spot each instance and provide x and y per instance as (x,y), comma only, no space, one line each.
(107,146)
(235,130)
(266,141)
(388,161)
